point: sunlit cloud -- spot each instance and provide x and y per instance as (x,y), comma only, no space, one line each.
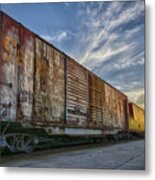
(137,96)
(56,38)
(111,44)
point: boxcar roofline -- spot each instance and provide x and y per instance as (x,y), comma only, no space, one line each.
(136,105)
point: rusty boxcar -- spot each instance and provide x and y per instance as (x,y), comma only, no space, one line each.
(43,88)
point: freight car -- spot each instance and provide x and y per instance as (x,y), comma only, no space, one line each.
(136,118)
(45,93)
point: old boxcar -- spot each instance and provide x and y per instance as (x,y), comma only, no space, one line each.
(43,88)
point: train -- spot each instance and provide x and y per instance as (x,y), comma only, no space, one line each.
(46,94)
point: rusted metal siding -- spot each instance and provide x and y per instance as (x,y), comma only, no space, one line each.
(77,94)
(58,87)
(106,105)
(114,111)
(96,92)
(25,75)
(8,68)
(49,84)
(31,70)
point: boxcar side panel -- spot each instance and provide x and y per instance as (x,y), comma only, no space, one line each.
(39,83)
(107,105)
(25,75)
(58,87)
(95,101)
(114,109)
(49,84)
(9,70)
(77,94)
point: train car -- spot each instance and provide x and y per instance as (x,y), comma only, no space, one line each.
(136,118)
(44,91)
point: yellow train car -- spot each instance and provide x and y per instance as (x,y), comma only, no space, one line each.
(136,118)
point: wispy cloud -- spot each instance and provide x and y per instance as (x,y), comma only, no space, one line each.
(137,96)
(59,37)
(111,43)
(101,29)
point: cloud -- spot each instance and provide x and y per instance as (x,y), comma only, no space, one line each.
(106,37)
(59,37)
(140,99)
(102,29)
(67,4)
(111,43)
(109,40)
(137,96)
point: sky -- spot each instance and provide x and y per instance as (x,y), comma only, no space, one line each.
(106,37)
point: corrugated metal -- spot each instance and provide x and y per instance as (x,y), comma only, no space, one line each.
(49,84)
(8,69)
(106,104)
(77,94)
(96,92)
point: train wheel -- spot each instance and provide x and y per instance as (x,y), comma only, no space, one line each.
(10,143)
(20,142)
(28,143)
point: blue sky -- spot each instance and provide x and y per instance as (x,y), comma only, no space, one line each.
(106,37)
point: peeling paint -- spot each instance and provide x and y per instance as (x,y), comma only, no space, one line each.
(49,84)
(25,75)
(9,71)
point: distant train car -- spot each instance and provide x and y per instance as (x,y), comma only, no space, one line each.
(136,118)
(43,88)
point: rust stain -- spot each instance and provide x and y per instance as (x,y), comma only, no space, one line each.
(25,75)
(49,84)
(8,90)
